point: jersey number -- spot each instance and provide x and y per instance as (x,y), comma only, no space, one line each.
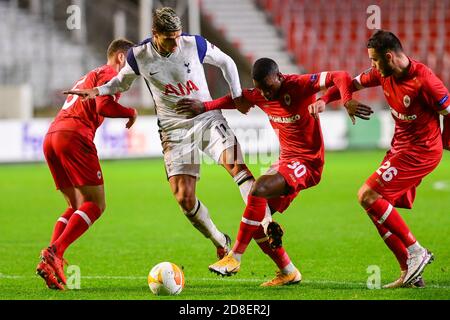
(390,172)
(299,169)
(222,130)
(71,99)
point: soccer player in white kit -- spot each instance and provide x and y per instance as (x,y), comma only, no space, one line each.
(172,65)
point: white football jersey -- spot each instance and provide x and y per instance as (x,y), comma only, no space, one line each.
(176,76)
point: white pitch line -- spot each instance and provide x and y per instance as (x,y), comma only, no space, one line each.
(441,185)
(228,279)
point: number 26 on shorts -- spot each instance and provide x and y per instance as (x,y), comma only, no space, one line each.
(389,172)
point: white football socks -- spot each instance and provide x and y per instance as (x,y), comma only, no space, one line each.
(201,220)
(245,182)
(288,269)
(415,247)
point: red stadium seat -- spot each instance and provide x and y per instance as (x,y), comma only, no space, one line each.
(322,35)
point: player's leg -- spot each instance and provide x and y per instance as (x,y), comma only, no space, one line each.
(182,161)
(92,205)
(367,197)
(288,273)
(233,161)
(282,182)
(78,157)
(183,188)
(72,197)
(44,269)
(62,181)
(224,148)
(380,211)
(269,238)
(265,187)
(393,184)
(90,208)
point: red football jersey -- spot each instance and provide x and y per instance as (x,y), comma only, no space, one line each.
(82,116)
(299,133)
(415,101)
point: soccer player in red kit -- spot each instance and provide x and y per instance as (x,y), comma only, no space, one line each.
(285,99)
(72,158)
(416,98)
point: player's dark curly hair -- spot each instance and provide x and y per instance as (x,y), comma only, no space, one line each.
(383,41)
(264,67)
(166,20)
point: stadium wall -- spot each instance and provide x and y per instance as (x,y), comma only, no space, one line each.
(21,140)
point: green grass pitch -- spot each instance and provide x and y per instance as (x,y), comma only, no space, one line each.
(328,236)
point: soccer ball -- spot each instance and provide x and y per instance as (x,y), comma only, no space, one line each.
(165,279)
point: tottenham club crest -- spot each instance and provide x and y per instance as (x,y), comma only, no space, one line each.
(287,99)
(406,101)
(188,69)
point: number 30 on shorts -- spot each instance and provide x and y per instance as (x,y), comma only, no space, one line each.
(389,173)
(299,169)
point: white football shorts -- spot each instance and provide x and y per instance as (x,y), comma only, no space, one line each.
(182,147)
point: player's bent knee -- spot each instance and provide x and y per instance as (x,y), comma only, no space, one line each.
(259,190)
(100,203)
(186,202)
(367,196)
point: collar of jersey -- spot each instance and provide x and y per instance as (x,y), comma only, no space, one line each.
(157,51)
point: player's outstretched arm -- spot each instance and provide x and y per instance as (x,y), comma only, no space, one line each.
(367,79)
(120,83)
(109,108)
(340,85)
(86,94)
(190,107)
(132,119)
(355,109)
(194,107)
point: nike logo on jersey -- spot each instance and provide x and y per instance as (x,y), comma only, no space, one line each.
(153,73)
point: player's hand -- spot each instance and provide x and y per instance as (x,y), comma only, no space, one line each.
(357,109)
(86,94)
(316,108)
(132,120)
(242,104)
(190,107)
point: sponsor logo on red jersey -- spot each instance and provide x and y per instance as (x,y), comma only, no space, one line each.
(402,116)
(285,119)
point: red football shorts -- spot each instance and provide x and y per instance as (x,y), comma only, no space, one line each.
(399,176)
(298,175)
(72,160)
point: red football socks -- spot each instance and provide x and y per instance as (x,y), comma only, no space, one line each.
(394,244)
(61,224)
(253,215)
(79,222)
(386,215)
(279,255)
